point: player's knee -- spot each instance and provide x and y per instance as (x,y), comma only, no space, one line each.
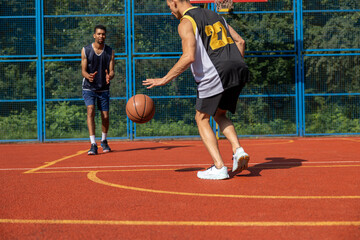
(105,116)
(105,119)
(91,111)
(201,117)
(220,114)
(217,118)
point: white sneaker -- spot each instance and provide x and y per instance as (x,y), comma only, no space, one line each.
(240,160)
(214,173)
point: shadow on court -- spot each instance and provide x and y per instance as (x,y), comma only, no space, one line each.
(274,163)
(150,148)
(194,169)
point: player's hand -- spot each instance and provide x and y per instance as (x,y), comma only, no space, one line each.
(92,76)
(107,76)
(154,82)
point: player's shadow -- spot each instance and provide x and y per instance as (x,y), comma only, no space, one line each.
(150,148)
(274,163)
(192,169)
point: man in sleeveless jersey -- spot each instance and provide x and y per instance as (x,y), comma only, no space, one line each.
(215,53)
(97,68)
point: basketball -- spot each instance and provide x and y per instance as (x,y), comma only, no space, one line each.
(140,108)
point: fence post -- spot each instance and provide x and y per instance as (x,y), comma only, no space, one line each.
(300,106)
(39,96)
(129,50)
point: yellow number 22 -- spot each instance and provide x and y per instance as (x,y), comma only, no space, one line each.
(213,31)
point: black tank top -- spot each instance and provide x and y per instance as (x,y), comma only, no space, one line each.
(97,63)
(215,50)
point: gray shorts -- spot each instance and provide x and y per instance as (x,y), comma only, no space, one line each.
(226,100)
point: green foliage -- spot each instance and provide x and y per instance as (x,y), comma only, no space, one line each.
(153,68)
(274,127)
(65,121)
(19,125)
(154,6)
(150,35)
(330,4)
(63,79)
(265,32)
(264,116)
(158,128)
(271,75)
(332,74)
(18,80)
(70,35)
(17,8)
(60,7)
(332,30)
(328,115)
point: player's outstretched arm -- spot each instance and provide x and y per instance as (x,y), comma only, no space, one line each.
(240,43)
(188,41)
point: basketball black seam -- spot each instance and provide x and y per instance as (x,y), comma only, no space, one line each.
(132,115)
(144,107)
(136,108)
(134,105)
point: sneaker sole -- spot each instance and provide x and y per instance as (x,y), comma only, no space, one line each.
(105,151)
(210,178)
(214,178)
(242,163)
(91,153)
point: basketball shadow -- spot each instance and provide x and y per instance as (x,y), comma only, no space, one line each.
(274,163)
(149,148)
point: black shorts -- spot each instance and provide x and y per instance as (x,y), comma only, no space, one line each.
(226,100)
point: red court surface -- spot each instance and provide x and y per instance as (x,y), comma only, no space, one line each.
(295,188)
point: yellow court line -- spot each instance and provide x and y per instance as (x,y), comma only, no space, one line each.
(350,139)
(92,176)
(273,143)
(184,223)
(112,170)
(56,161)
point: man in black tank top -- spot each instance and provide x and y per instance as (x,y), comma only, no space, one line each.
(215,52)
(97,68)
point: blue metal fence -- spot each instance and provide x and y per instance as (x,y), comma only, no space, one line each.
(304,57)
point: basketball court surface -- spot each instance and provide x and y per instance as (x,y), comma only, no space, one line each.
(295,188)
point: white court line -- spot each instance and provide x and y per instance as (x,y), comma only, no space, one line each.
(176,165)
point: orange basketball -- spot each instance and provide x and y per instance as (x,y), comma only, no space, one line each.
(140,108)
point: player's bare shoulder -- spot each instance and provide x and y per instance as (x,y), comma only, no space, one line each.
(185,27)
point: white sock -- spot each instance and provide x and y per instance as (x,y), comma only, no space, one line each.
(103,136)
(239,149)
(92,139)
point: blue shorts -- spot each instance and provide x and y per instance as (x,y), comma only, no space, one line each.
(102,99)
